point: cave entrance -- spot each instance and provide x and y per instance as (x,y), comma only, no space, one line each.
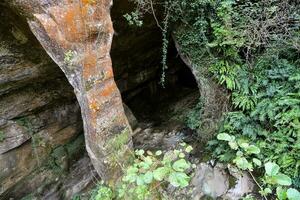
(136,56)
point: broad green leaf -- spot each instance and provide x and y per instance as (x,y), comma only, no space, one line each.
(132,170)
(244,145)
(180,165)
(179,179)
(282,179)
(148,177)
(160,173)
(242,163)
(158,153)
(139,152)
(293,194)
(144,165)
(281,193)
(139,180)
(233,145)
(256,161)
(183,144)
(271,168)
(188,149)
(181,155)
(267,191)
(130,178)
(225,137)
(252,149)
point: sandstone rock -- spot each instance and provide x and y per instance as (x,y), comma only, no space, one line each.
(130,116)
(71,28)
(13,136)
(243,185)
(210,181)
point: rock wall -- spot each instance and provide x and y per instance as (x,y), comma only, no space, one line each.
(136,51)
(77,35)
(38,109)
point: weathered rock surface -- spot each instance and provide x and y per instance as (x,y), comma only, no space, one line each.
(243,185)
(77,35)
(53,185)
(136,51)
(38,108)
(215,99)
(214,182)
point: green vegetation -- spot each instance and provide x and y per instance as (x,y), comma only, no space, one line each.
(117,145)
(69,56)
(252,48)
(149,174)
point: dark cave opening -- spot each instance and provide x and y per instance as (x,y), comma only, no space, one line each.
(136,55)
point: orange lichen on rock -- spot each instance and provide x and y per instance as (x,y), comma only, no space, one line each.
(109,88)
(89,63)
(84,28)
(70,19)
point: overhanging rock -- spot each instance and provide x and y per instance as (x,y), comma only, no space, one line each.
(77,35)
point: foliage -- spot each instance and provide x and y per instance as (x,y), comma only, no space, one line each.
(192,119)
(246,158)
(103,193)
(133,18)
(69,56)
(149,173)
(252,49)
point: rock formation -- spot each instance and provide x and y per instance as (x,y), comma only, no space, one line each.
(77,35)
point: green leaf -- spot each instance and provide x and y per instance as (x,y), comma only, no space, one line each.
(242,163)
(233,145)
(139,180)
(282,179)
(244,145)
(130,178)
(225,137)
(293,194)
(181,155)
(252,149)
(188,149)
(256,161)
(267,191)
(160,173)
(139,152)
(179,179)
(281,193)
(180,165)
(158,153)
(271,168)
(148,177)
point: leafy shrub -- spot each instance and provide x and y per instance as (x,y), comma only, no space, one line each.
(251,48)
(149,174)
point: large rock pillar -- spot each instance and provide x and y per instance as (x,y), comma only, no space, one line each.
(77,35)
